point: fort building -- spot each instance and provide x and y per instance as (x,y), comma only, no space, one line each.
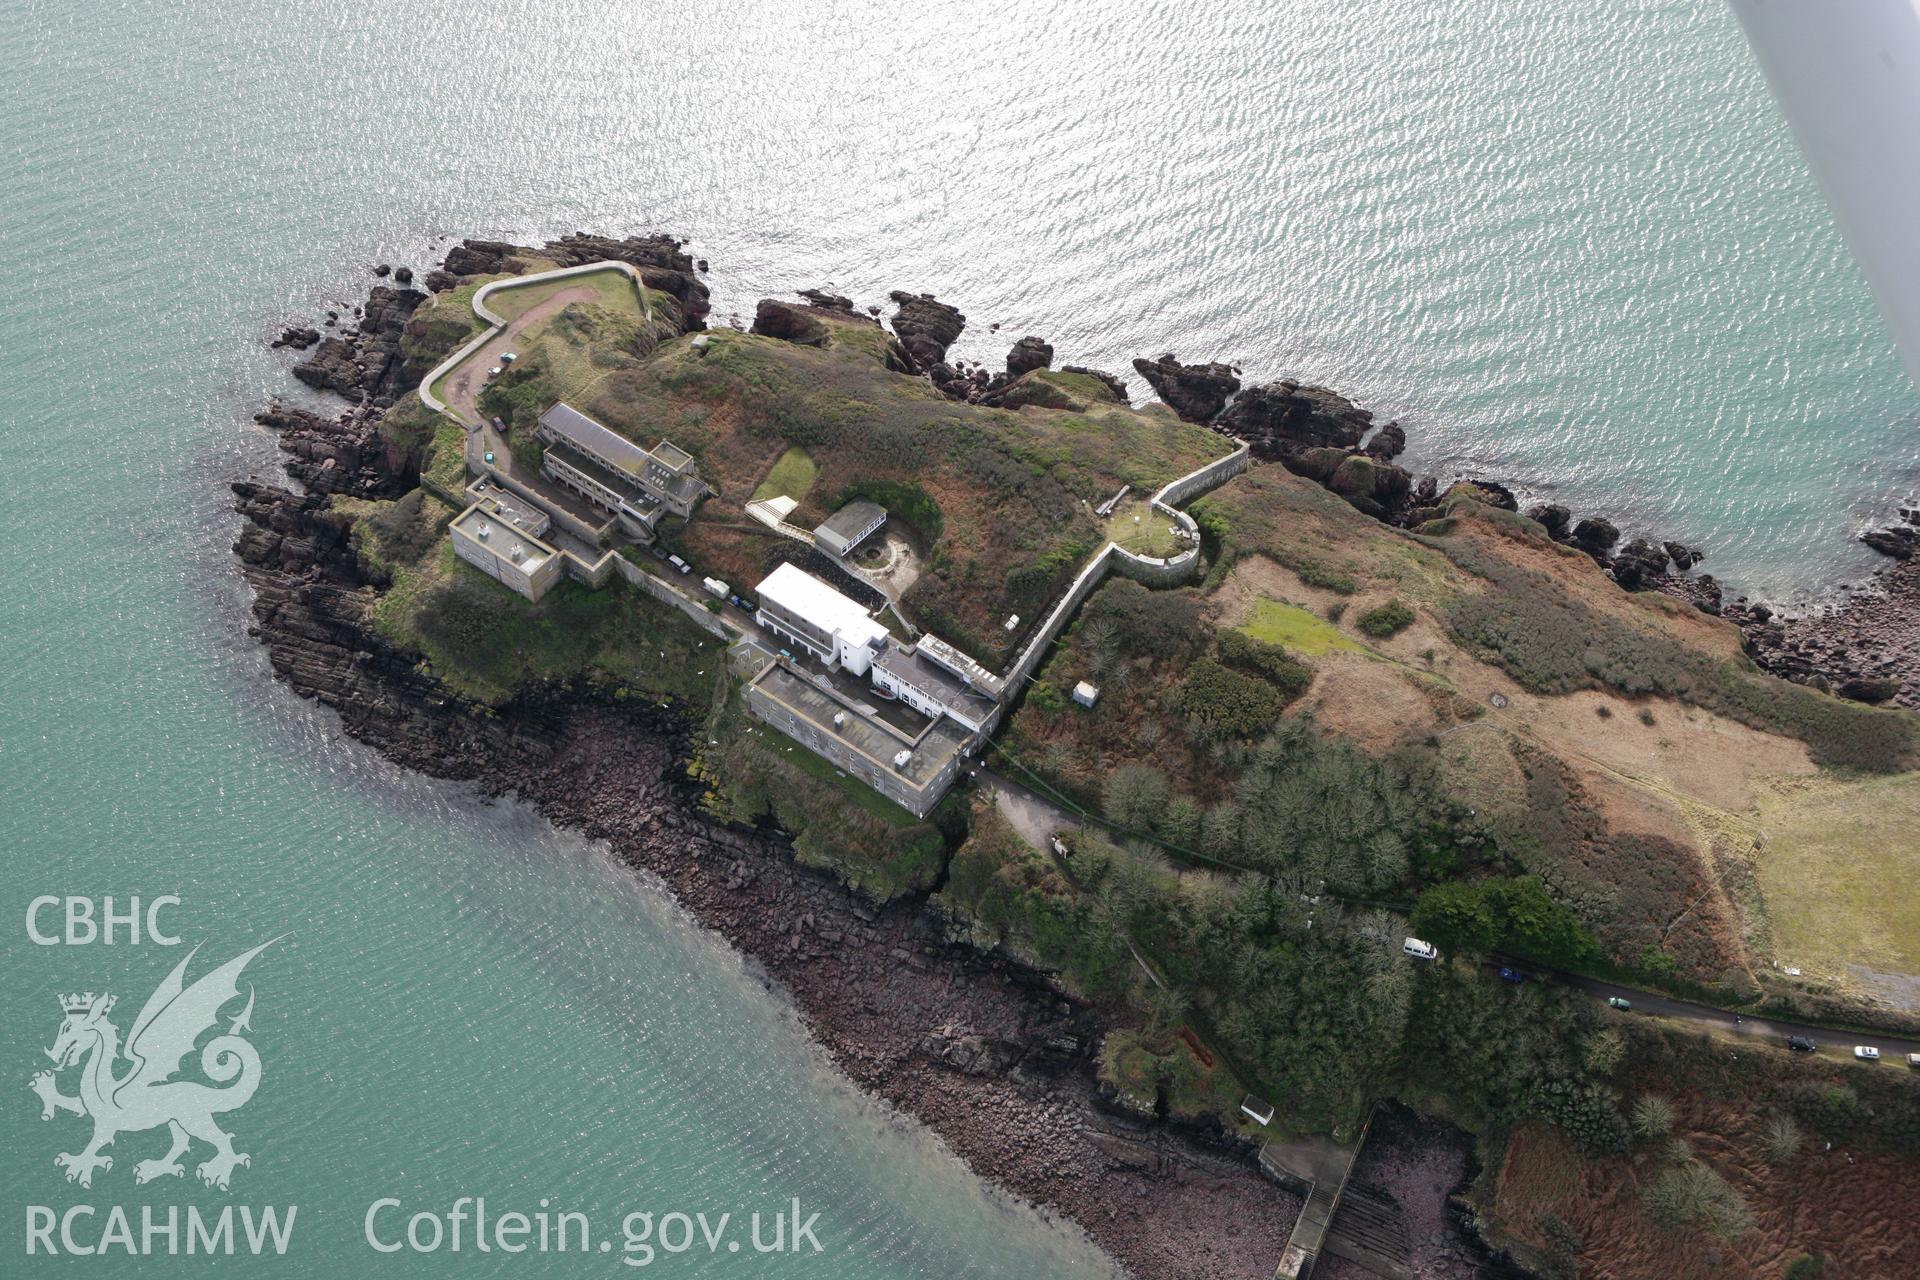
(832,628)
(848,527)
(501,540)
(599,465)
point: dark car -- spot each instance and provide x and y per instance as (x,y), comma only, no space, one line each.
(1800,1044)
(1510,974)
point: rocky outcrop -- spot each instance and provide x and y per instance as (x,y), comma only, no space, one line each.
(1032,388)
(1388,443)
(789,323)
(1028,354)
(1595,535)
(1197,392)
(296,337)
(1280,417)
(348,454)
(1638,563)
(926,327)
(366,363)
(1899,540)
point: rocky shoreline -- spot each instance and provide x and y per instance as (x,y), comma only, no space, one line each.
(982,1049)
(979,1048)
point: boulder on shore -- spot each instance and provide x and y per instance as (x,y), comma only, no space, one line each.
(1197,392)
(926,327)
(1279,418)
(1595,535)
(1552,517)
(1028,354)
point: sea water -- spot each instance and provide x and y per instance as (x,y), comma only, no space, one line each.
(1570,245)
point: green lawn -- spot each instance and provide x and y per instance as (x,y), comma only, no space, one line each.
(791,477)
(1297,630)
(1138,528)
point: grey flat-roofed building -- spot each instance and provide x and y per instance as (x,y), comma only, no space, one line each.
(612,471)
(513,509)
(913,771)
(492,544)
(850,526)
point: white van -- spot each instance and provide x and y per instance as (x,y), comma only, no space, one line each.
(1420,950)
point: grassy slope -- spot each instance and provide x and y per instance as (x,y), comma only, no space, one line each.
(1011,489)
(791,476)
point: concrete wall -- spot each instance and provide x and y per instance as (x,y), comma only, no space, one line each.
(694,607)
(1177,493)
(1152,572)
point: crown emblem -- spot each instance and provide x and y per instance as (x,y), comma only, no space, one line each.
(80,1002)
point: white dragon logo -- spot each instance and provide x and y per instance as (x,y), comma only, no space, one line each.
(146,1096)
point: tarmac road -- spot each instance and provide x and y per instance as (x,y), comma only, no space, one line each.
(1760,1030)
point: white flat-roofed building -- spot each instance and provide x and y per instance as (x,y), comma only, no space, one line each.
(904,671)
(833,628)
(960,665)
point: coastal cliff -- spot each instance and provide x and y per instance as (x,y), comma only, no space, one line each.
(1383,697)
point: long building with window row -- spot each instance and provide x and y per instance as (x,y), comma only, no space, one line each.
(603,467)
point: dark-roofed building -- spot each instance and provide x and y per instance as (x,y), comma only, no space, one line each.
(850,526)
(612,472)
(913,767)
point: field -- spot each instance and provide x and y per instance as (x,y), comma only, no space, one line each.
(1289,625)
(792,476)
(1839,870)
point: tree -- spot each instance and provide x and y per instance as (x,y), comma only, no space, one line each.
(1135,794)
(1515,914)
(1694,1195)
(1384,620)
(1783,1140)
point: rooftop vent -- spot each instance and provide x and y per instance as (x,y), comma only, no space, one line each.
(901,758)
(839,719)
(484,530)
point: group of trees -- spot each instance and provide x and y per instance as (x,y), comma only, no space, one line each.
(1498,913)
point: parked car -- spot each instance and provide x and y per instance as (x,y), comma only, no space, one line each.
(1619,1002)
(1510,974)
(1800,1044)
(1420,950)
(1866,1053)
(1913,1059)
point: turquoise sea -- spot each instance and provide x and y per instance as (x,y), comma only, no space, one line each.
(1569,244)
